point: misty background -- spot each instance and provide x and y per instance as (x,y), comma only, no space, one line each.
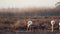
(15,8)
(31,12)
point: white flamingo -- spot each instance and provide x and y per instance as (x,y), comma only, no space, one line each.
(29,24)
(52,23)
(59,26)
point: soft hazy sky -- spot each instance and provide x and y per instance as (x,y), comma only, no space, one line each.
(27,3)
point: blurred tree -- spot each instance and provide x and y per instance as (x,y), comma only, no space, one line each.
(57,4)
